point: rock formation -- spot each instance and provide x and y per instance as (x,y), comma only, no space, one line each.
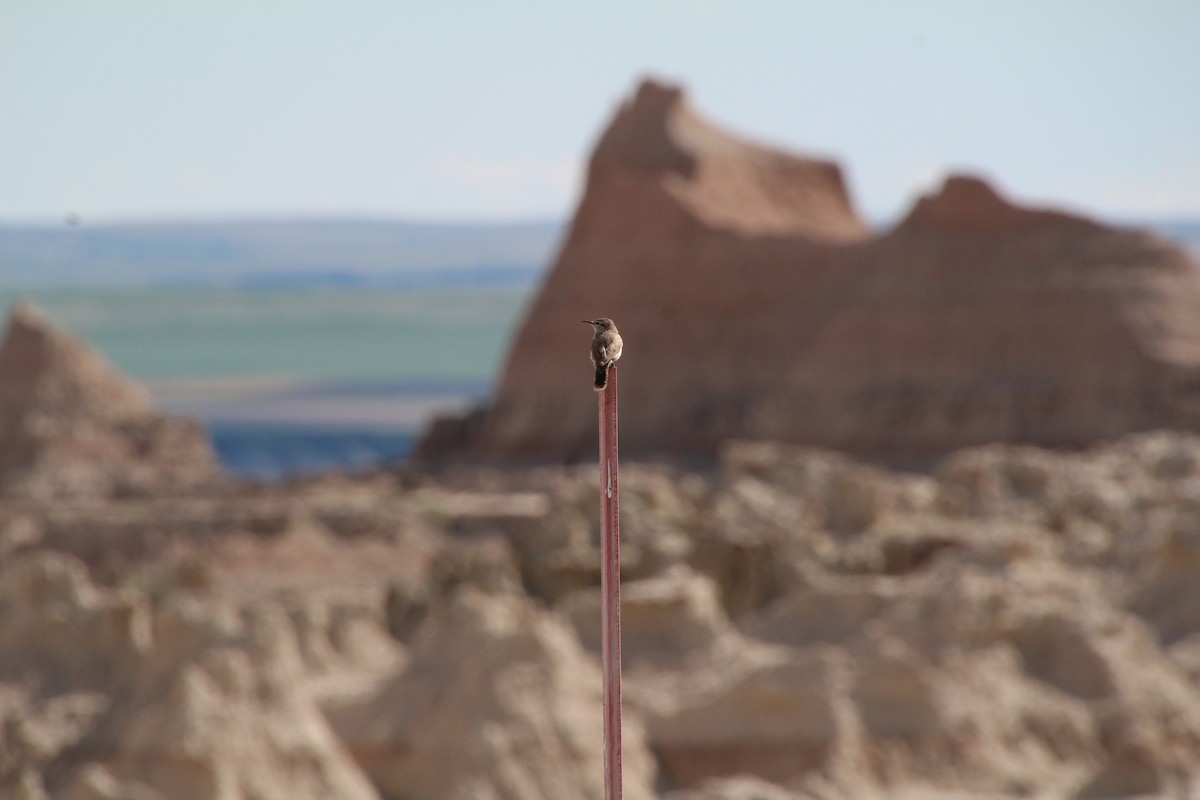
(188,701)
(756,304)
(71,424)
(500,702)
(998,629)
(1020,622)
(975,320)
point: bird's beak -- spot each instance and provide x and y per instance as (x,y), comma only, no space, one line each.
(587,322)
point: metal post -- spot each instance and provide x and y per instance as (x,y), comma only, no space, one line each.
(610,587)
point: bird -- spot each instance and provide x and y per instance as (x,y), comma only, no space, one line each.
(606,348)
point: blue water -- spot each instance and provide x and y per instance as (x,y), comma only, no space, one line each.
(273,451)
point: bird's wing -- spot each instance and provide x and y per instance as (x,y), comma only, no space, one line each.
(611,351)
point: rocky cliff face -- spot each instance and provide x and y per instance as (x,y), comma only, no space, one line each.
(975,320)
(71,424)
(1018,623)
(755,303)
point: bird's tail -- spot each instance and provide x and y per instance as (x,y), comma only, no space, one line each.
(601,378)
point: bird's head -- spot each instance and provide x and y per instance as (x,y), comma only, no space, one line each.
(602,324)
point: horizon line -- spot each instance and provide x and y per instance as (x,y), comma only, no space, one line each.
(74,221)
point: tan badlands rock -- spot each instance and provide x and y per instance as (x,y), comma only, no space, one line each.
(71,424)
(1018,623)
(190,701)
(755,304)
(499,702)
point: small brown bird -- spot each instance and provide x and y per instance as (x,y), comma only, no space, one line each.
(606,348)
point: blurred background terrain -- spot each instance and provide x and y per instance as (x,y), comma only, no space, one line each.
(301,345)
(276,240)
(180,180)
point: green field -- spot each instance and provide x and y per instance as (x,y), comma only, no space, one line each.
(308,334)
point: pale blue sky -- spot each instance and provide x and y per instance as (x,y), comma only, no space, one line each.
(122,109)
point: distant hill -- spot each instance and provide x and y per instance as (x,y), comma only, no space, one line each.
(272,253)
(305,252)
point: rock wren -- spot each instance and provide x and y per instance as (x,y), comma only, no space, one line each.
(606,348)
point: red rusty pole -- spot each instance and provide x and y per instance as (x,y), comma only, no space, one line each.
(610,587)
